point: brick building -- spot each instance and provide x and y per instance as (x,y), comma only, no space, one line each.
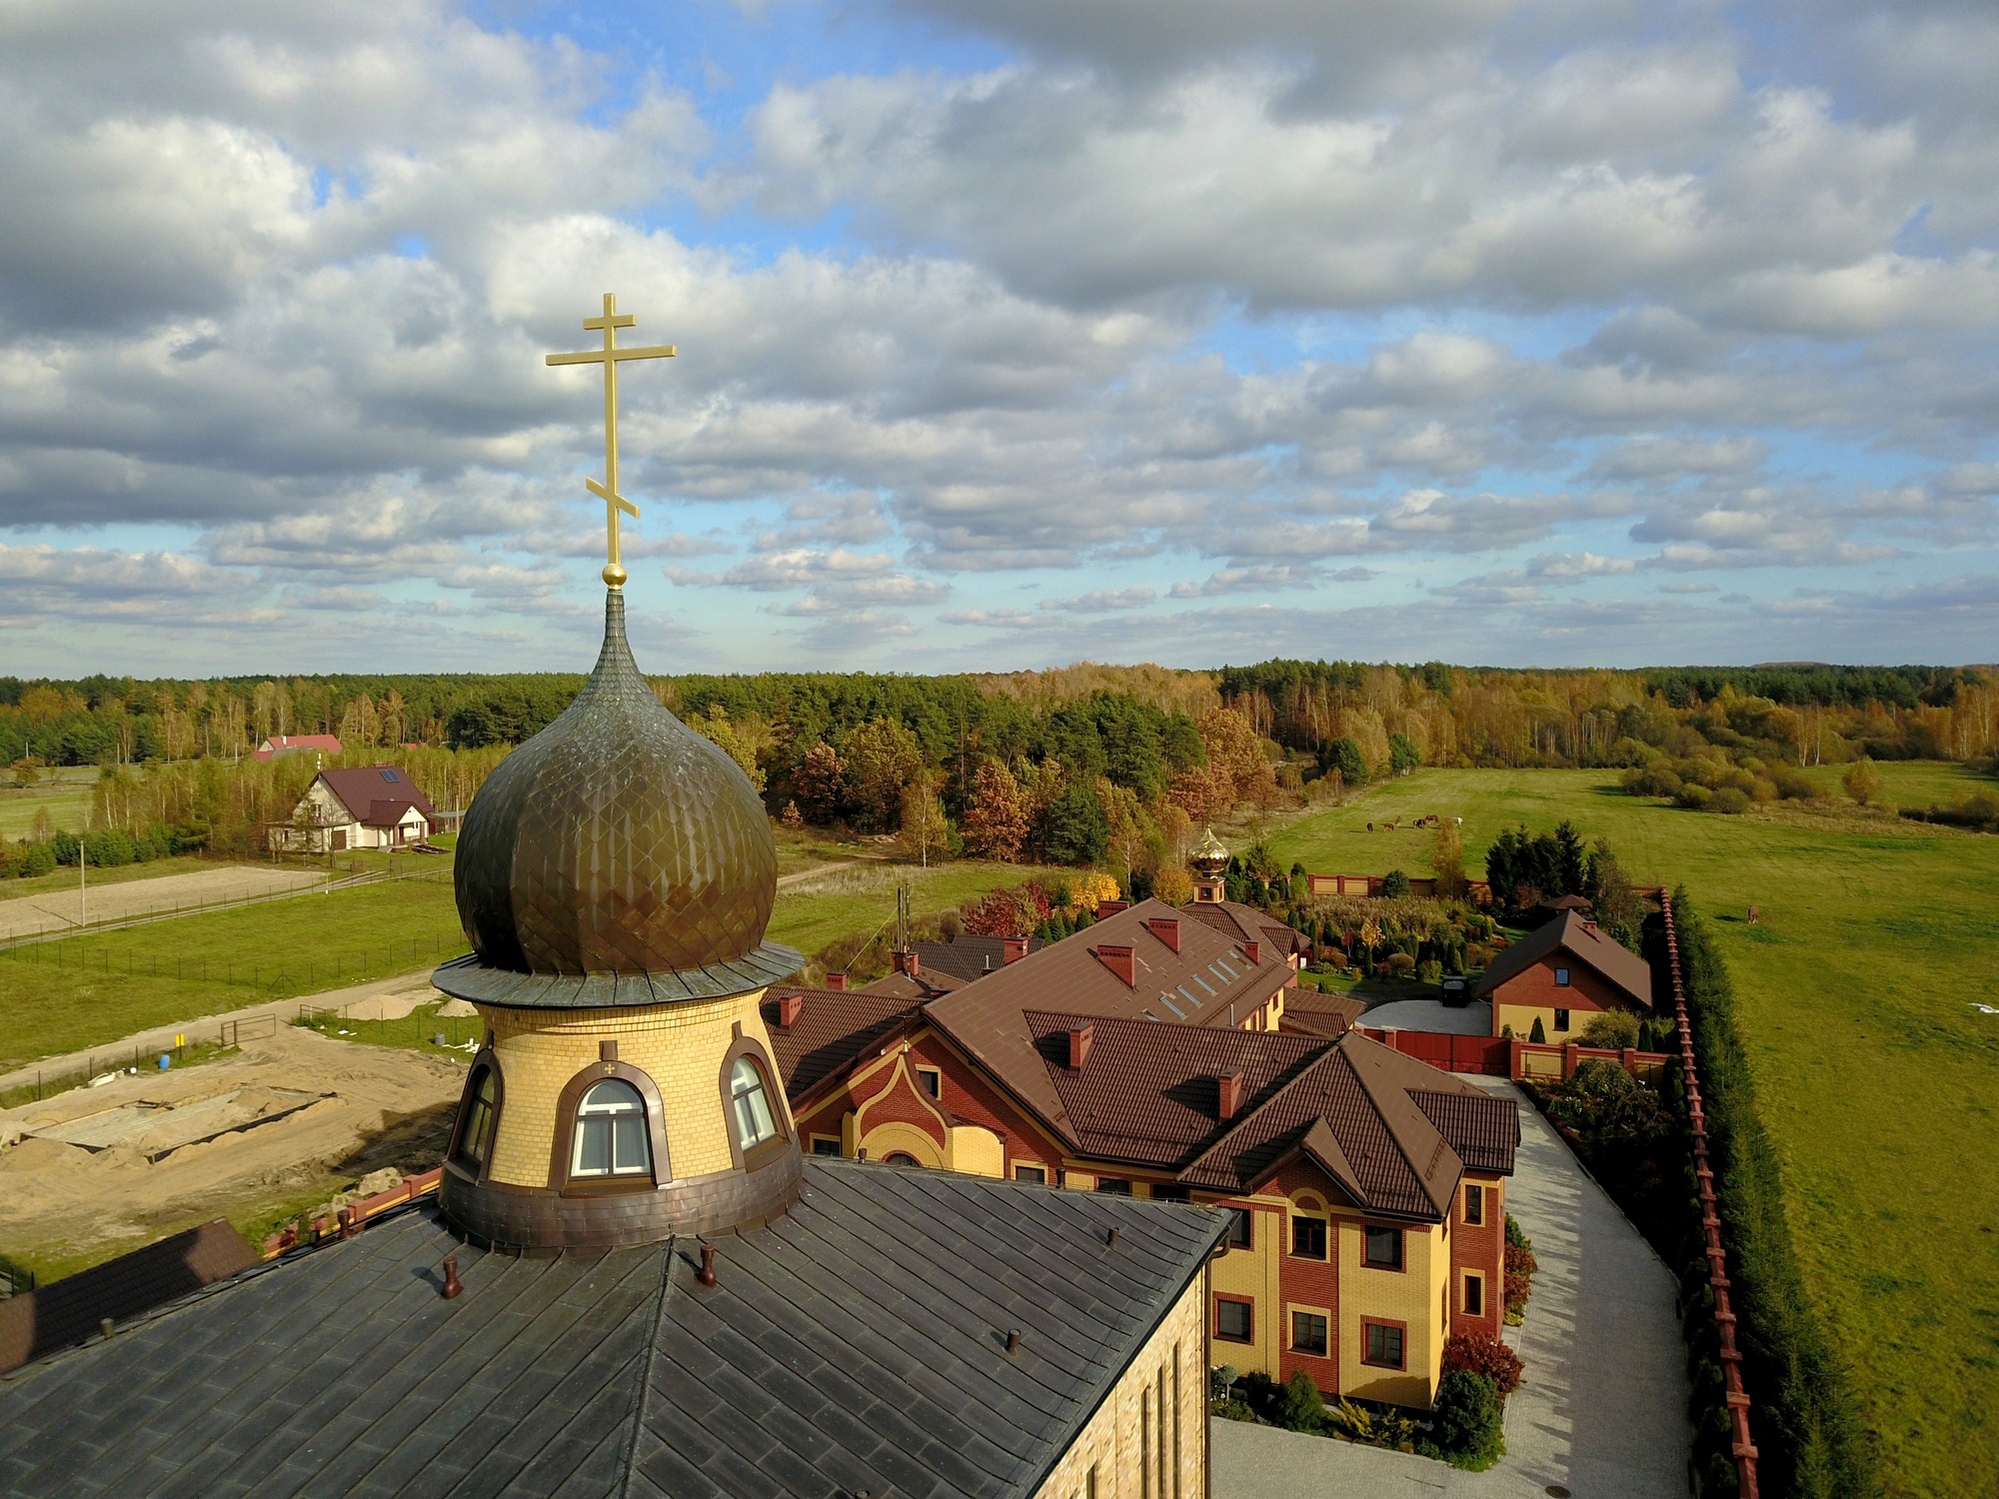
(1560,974)
(1367,1189)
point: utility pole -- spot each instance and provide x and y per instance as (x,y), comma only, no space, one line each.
(82,883)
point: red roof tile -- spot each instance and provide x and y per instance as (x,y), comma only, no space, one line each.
(833,1029)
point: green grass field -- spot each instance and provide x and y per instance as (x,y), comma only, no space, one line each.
(67,798)
(87,991)
(813,913)
(1876,1074)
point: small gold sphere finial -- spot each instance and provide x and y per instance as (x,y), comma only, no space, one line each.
(614,575)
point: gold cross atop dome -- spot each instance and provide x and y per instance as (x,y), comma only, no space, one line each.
(611,356)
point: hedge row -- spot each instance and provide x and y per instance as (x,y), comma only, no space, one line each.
(1802,1419)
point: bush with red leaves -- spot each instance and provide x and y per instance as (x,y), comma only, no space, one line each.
(1482,1353)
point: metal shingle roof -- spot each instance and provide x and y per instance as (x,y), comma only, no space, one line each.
(857,1342)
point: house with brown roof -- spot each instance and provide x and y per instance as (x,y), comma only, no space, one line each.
(1560,974)
(371,806)
(1369,1188)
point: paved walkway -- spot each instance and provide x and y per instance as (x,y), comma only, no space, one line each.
(1434,1016)
(1602,1412)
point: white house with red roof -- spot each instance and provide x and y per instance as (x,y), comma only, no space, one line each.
(370,806)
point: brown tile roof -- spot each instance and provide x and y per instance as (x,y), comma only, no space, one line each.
(967,956)
(833,1029)
(1484,1130)
(378,795)
(1247,924)
(1148,1093)
(1573,934)
(924,985)
(1394,1132)
(1307,1012)
(70,1310)
(1208,982)
(1390,1158)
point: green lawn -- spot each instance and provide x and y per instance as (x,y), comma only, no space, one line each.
(85,991)
(813,913)
(67,799)
(1878,1079)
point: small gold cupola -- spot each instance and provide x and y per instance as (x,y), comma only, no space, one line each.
(614,877)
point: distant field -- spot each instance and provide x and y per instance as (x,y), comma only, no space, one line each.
(65,799)
(62,996)
(1877,1077)
(814,912)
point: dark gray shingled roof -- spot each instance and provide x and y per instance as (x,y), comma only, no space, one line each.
(857,1342)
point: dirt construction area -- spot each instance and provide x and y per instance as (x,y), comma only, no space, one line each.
(56,911)
(277,1128)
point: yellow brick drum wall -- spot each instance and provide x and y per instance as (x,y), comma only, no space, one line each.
(679,1046)
(1123,1440)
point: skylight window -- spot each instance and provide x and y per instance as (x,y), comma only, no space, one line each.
(1188,997)
(1178,1013)
(389,775)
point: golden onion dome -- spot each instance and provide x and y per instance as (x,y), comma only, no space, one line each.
(616,858)
(1210,856)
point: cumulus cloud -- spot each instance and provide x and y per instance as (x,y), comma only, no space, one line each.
(1234,296)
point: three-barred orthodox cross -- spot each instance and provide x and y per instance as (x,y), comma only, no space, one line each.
(611,356)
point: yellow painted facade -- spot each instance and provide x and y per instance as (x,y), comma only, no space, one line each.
(1413,1296)
(1522,1018)
(1149,1439)
(679,1046)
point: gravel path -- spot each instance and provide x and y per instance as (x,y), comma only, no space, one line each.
(59,910)
(1602,1413)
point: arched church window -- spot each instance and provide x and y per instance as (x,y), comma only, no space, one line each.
(611,1132)
(901,1158)
(475,1136)
(750,1102)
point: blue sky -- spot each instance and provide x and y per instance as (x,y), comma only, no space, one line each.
(1577,333)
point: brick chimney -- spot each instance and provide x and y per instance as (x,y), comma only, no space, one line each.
(1012,950)
(837,982)
(909,963)
(1117,958)
(1166,929)
(1228,1089)
(1254,952)
(788,1007)
(1080,1038)
(1109,908)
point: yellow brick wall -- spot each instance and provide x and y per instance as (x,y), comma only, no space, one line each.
(679,1046)
(1253,1272)
(1412,1295)
(1128,1467)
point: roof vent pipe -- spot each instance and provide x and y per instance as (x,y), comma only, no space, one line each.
(706,1274)
(452,1284)
(1013,1340)
(1080,1038)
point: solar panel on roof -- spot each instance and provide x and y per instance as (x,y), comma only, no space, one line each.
(388,775)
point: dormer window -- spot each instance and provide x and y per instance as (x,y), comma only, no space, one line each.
(750,1103)
(611,1132)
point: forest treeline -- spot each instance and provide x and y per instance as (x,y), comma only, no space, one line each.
(1084,765)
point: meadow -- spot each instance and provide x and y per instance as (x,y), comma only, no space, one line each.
(65,795)
(1877,1073)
